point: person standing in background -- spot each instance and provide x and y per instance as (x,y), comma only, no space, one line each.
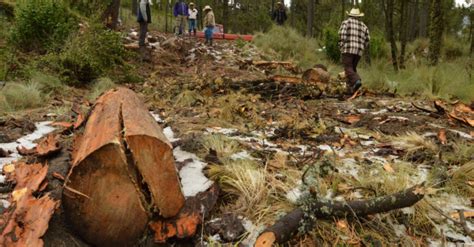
(279,14)
(193,13)
(209,22)
(354,38)
(143,18)
(181,14)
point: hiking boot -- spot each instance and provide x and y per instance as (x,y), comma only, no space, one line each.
(356,86)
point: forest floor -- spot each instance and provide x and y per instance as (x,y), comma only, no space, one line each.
(259,140)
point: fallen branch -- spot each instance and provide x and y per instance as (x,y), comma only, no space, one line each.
(287,226)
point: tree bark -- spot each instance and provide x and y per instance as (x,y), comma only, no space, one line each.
(134,7)
(436,31)
(122,171)
(111,14)
(388,6)
(286,227)
(403,31)
(309,19)
(424,18)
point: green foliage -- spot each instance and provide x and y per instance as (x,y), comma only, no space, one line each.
(452,48)
(18,96)
(446,80)
(89,55)
(287,43)
(100,86)
(331,42)
(41,25)
(378,46)
(89,8)
(48,83)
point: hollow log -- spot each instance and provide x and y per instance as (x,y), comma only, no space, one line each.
(122,171)
(287,226)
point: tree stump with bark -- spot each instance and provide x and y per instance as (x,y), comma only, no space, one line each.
(122,173)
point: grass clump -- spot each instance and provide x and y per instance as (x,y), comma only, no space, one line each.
(224,146)
(188,98)
(462,179)
(100,86)
(48,83)
(41,25)
(295,46)
(18,96)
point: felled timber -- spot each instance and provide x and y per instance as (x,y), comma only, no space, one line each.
(287,226)
(122,172)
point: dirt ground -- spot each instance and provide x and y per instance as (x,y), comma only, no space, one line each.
(215,103)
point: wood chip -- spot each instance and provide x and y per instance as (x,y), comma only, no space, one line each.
(387,167)
(442,136)
(467,215)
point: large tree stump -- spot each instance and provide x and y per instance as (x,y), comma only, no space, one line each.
(122,172)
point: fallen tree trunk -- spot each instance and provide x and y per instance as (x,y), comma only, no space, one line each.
(122,172)
(287,226)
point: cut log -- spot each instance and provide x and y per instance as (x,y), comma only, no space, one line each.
(122,169)
(287,226)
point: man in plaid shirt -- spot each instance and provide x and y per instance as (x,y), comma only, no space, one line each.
(353,40)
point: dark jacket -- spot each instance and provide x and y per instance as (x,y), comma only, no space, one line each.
(279,16)
(180,8)
(140,17)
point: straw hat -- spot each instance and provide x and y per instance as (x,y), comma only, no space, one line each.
(191,4)
(207,8)
(355,13)
(278,3)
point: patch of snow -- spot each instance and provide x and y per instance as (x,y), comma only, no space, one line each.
(294,195)
(362,110)
(244,155)
(220,130)
(157,117)
(215,238)
(349,167)
(253,230)
(449,232)
(379,112)
(400,230)
(168,132)
(5,203)
(368,143)
(193,179)
(27,141)
(461,134)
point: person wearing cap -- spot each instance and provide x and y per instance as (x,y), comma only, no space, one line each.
(181,14)
(354,38)
(209,22)
(192,19)
(143,18)
(279,14)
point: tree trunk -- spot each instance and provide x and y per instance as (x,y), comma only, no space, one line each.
(343,10)
(403,31)
(122,171)
(134,7)
(166,14)
(287,226)
(436,31)
(111,14)
(424,18)
(413,23)
(388,9)
(309,19)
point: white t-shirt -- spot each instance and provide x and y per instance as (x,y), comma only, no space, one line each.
(193,13)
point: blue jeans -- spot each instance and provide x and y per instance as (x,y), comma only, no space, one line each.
(208,33)
(192,25)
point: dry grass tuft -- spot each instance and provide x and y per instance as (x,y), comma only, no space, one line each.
(412,142)
(18,96)
(462,179)
(188,98)
(100,86)
(223,145)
